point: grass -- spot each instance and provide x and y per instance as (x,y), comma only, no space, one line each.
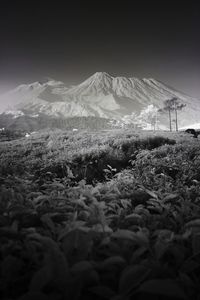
(104,215)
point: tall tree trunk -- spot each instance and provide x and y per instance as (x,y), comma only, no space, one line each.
(176,119)
(170,120)
(156,122)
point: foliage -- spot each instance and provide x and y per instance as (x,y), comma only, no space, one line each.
(131,234)
(147,119)
(28,123)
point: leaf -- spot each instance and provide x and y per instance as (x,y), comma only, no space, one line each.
(163,287)
(41,198)
(55,262)
(160,247)
(142,237)
(186,281)
(111,168)
(139,237)
(164,235)
(42,277)
(73,226)
(57,185)
(48,222)
(120,297)
(189,266)
(133,217)
(137,254)
(9,233)
(92,278)
(77,244)
(131,277)
(139,209)
(113,260)
(193,223)
(102,291)
(74,216)
(124,234)
(4,221)
(11,267)
(82,266)
(157,209)
(150,193)
(102,228)
(170,197)
(125,203)
(154,202)
(34,295)
(196,243)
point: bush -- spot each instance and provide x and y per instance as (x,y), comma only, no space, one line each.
(65,231)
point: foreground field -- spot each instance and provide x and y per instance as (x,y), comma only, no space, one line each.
(103,215)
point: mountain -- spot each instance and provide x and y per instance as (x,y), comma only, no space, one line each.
(101,95)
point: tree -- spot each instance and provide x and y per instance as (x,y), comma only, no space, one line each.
(131,120)
(149,116)
(127,121)
(172,105)
(168,104)
(177,106)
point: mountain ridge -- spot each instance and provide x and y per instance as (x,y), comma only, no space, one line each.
(100,95)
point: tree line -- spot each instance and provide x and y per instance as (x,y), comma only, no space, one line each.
(148,117)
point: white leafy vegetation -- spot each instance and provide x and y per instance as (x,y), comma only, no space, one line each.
(147,119)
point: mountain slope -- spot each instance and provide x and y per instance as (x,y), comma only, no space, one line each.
(101,95)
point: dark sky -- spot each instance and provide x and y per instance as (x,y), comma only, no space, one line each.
(71,40)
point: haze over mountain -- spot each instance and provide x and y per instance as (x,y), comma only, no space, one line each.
(101,95)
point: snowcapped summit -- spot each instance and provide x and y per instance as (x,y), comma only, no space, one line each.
(101,74)
(100,81)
